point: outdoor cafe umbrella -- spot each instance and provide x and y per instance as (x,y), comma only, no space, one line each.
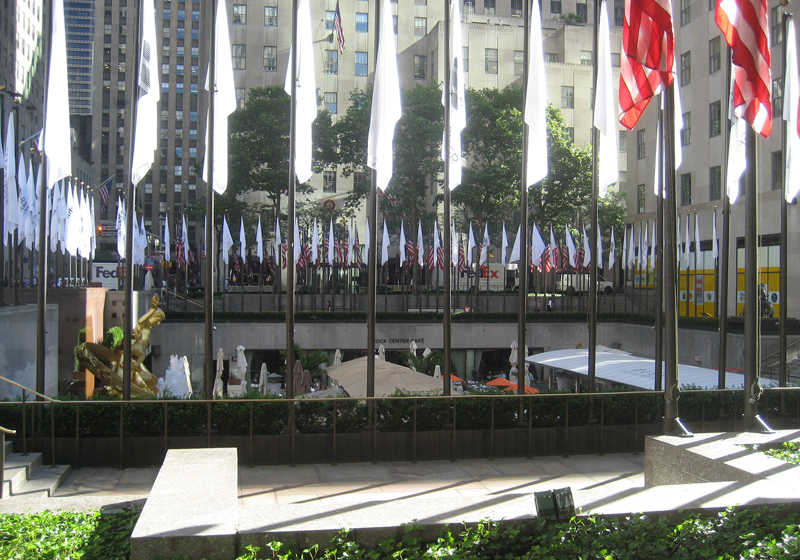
(241,362)
(305,383)
(513,359)
(437,372)
(220,367)
(381,353)
(427,352)
(528,389)
(413,348)
(297,378)
(262,380)
(337,357)
(500,382)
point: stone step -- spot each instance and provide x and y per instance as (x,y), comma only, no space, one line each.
(44,482)
(18,469)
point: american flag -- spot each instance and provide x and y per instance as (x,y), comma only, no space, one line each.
(337,249)
(180,260)
(648,62)
(429,259)
(440,257)
(564,259)
(359,262)
(246,264)
(103,192)
(579,264)
(284,248)
(546,260)
(203,251)
(462,260)
(191,256)
(236,266)
(744,25)
(412,253)
(337,28)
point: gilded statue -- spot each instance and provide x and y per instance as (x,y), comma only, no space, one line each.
(108,365)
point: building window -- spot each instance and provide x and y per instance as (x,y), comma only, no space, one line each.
(615,61)
(777,25)
(240,98)
(489,7)
(271,59)
(420,26)
(619,15)
(571,133)
(239,13)
(359,178)
(640,196)
(567,97)
(686,189)
(329,17)
(640,152)
(362,22)
(519,63)
(686,68)
(420,67)
(715,119)
(555,7)
(777,96)
(713,55)
(623,141)
(686,131)
(331,101)
(715,183)
(686,12)
(465,58)
(586,58)
(491,61)
(271,16)
(551,57)
(394,24)
(581,11)
(239,56)
(331,61)
(361,63)
(329,181)
(516,8)
(777,170)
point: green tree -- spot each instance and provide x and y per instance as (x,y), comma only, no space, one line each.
(310,360)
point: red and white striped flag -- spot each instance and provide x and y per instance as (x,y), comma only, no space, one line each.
(744,25)
(648,62)
(337,28)
(462,259)
(412,252)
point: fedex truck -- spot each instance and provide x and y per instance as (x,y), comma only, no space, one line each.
(105,274)
(493,277)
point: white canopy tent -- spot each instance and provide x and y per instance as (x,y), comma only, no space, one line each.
(352,377)
(626,369)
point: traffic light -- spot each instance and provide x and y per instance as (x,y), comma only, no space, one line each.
(99,229)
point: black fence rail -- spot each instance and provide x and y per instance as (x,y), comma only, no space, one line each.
(280,431)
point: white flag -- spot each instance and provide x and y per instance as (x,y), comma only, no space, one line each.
(515,250)
(227,240)
(573,251)
(386,108)
(536,102)
(714,242)
(10,203)
(402,244)
(537,246)
(385,243)
(146,132)
(737,152)
(330,244)
(259,241)
(698,255)
(677,118)
(470,245)
(504,246)
(436,244)
(298,247)
(599,247)
(167,255)
(657,189)
(625,246)
(121,228)
(632,248)
(278,242)
(242,240)
(587,248)
(653,246)
(351,240)
(457,104)
(686,244)
(420,245)
(315,243)
(484,245)
(791,93)
(612,257)
(22,199)
(454,246)
(224,102)
(185,237)
(605,109)
(56,137)
(306,106)
(93,246)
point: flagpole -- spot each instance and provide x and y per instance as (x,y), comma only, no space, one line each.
(523,222)
(290,226)
(660,256)
(446,324)
(2,201)
(208,300)
(784,239)
(593,218)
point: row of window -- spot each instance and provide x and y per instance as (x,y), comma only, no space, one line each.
(714,183)
(714,61)
(776,19)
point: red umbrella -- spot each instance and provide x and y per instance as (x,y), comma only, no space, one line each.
(528,389)
(500,382)
(456,379)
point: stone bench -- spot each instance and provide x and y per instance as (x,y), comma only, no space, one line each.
(192,508)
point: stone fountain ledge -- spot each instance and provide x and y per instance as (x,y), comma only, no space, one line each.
(721,457)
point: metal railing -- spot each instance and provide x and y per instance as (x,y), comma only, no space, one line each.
(567,412)
(3,432)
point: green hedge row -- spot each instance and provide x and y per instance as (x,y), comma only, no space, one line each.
(232,417)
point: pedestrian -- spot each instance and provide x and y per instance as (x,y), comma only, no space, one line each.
(549,305)
(329,308)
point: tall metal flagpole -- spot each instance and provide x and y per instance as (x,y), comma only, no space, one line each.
(372,253)
(722,301)
(784,241)
(3,128)
(659,248)
(211,254)
(127,323)
(594,221)
(448,77)
(523,218)
(290,226)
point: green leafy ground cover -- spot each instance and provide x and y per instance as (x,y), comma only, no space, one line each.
(789,452)
(765,533)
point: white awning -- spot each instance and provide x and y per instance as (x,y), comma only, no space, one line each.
(626,369)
